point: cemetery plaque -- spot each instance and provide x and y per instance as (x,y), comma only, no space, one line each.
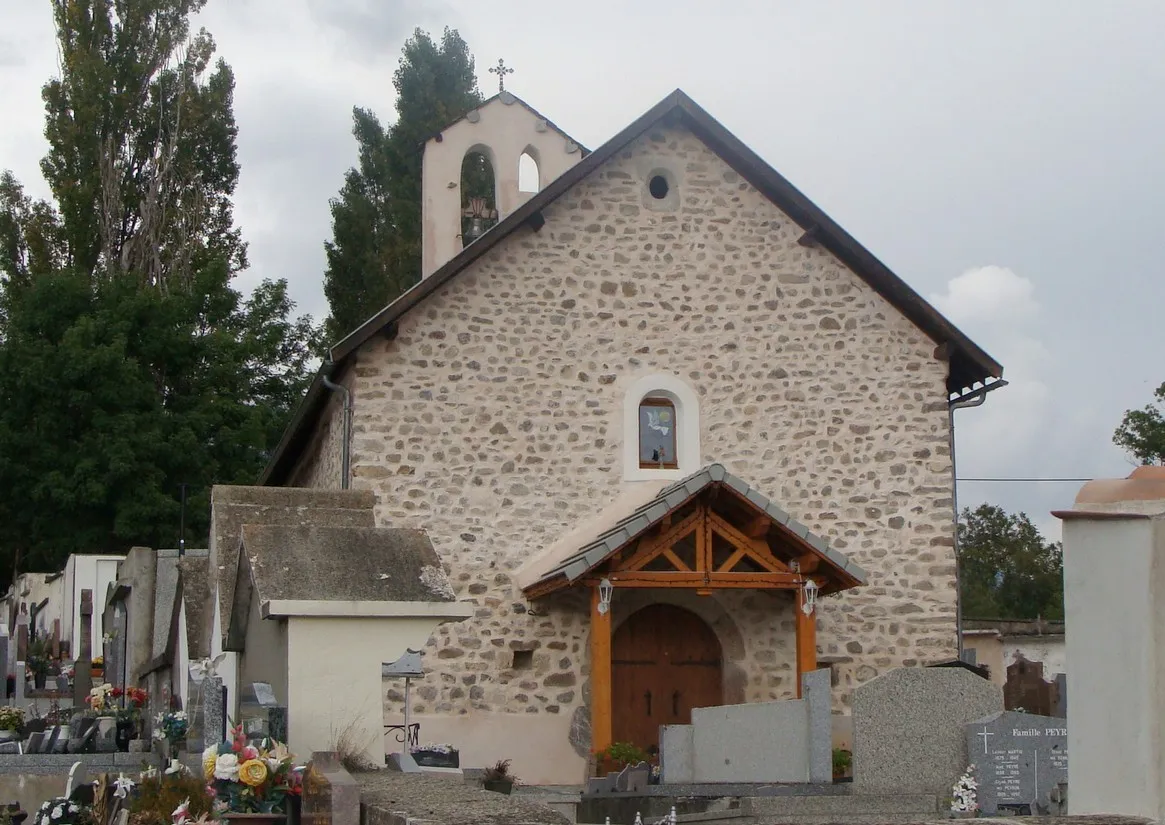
(1019,759)
(264,695)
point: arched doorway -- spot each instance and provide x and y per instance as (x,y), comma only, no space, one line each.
(664,661)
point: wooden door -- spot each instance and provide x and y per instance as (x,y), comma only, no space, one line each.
(664,662)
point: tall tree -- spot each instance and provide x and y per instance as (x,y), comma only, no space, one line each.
(1006,568)
(1142,432)
(375,251)
(129,364)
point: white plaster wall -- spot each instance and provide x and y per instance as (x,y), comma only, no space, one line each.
(265,656)
(228,669)
(536,743)
(502,133)
(1113,606)
(1051,651)
(181,666)
(334,682)
(94,573)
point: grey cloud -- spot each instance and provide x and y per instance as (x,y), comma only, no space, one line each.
(377,28)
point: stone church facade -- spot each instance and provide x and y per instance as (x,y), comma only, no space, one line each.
(496,406)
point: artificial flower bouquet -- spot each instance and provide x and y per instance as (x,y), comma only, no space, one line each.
(100,699)
(172,726)
(11,718)
(61,811)
(246,778)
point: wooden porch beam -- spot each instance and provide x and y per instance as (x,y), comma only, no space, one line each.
(703,579)
(601,730)
(806,640)
(758,527)
(652,547)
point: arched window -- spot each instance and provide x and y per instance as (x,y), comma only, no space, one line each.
(528,175)
(478,196)
(661,428)
(657,434)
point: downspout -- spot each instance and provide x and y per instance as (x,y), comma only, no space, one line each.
(963,402)
(346,444)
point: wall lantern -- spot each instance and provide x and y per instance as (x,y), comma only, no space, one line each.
(606,590)
(809,597)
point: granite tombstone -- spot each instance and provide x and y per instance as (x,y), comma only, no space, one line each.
(908,728)
(1019,759)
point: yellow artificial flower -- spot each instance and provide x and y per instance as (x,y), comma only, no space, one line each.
(253,772)
(208,759)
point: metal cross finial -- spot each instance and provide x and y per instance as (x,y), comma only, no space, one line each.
(501,70)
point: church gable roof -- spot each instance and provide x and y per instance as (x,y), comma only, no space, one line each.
(969,364)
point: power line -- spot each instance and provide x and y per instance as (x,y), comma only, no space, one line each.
(1025,480)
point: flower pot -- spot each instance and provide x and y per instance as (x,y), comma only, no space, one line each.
(437,759)
(106,734)
(39,680)
(97,672)
(125,732)
(505,786)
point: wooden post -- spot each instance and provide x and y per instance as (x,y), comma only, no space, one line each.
(806,640)
(600,675)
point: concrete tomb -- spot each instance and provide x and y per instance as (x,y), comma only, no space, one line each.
(1019,759)
(783,741)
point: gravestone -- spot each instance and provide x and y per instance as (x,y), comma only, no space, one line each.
(1061,709)
(908,728)
(62,742)
(1026,688)
(34,743)
(277,723)
(19,683)
(22,633)
(633,778)
(211,710)
(55,647)
(330,794)
(52,735)
(816,689)
(82,672)
(1019,759)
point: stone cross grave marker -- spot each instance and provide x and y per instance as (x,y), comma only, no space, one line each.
(1019,759)
(82,673)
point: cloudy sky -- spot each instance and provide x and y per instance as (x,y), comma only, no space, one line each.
(1004,158)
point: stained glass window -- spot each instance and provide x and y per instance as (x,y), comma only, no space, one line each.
(657,433)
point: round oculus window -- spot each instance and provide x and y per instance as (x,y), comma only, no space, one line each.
(658,187)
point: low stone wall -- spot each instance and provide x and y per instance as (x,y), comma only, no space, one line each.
(31,779)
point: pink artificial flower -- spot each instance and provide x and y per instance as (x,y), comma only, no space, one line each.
(250,752)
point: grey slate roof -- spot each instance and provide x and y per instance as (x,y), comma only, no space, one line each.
(673,497)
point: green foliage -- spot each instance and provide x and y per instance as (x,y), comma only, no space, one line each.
(499,772)
(625,753)
(1006,568)
(375,251)
(842,760)
(1142,432)
(129,364)
(158,796)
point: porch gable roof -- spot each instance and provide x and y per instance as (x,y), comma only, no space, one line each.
(669,500)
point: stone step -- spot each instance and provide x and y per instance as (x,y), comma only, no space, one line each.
(847,819)
(764,808)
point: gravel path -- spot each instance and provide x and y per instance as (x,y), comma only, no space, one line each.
(447,801)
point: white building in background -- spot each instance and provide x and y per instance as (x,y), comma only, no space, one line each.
(94,573)
(57,596)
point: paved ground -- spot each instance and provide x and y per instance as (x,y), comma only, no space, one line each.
(444,800)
